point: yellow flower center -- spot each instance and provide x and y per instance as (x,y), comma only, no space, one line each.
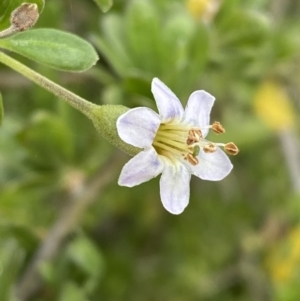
(173,139)
(181,140)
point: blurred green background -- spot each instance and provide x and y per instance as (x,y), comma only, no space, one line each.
(239,239)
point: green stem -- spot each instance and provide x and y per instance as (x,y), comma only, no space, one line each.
(74,100)
(104,117)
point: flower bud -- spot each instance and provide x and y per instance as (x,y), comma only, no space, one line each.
(24,17)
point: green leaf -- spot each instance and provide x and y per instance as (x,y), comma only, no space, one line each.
(89,259)
(104,5)
(7,6)
(12,257)
(53,48)
(49,136)
(245,28)
(72,292)
(1,110)
(24,235)
(105,49)
(86,255)
(143,33)
(113,44)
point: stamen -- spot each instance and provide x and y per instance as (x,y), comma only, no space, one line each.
(191,159)
(170,142)
(166,147)
(231,148)
(172,126)
(217,128)
(209,148)
(176,137)
(194,136)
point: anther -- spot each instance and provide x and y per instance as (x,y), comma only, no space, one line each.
(194,135)
(217,128)
(231,148)
(209,148)
(24,17)
(191,159)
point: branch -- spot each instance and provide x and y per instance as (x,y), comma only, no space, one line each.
(291,150)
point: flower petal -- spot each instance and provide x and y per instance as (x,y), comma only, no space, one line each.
(143,167)
(168,104)
(198,109)
(213,167)
(138,126)
(175,187)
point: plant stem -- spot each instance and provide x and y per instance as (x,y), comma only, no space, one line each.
(7,32)
(74,100)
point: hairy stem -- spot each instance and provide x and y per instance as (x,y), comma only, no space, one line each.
(7,32)
(74,100)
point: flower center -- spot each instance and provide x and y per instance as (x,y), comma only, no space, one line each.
(174,139)
(181,140)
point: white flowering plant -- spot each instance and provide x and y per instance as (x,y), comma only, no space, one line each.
(71,226)
(171,143)
(174,145)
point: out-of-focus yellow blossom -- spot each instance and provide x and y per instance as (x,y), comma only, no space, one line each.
(283,263)
(294,237)
(203,9)
(273,106)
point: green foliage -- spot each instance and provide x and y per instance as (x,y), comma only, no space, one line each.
(126,246)
(154,45)
(58,146)
(104,5)
(12,257)
(1,109)
(53,48)
(7,6)
(72,293)
(86,256)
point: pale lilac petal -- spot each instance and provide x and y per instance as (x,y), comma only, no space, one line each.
(175,187)
(143,167)
(138,127)
(168,104)
(212,167)
(198,109)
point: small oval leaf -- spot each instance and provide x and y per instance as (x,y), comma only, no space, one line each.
(1,110)
(104,5)
(8,6)
(53,48)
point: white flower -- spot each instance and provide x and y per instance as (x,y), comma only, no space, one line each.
(173,144)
